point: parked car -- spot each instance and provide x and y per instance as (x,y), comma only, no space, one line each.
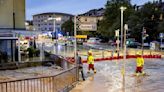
(92,41)
(134,45)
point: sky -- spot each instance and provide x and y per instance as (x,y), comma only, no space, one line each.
(66,6)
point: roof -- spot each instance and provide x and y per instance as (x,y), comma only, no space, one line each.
(29,22)
(51,13)
(94,12)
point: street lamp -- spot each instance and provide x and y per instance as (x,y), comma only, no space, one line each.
(124,63)
(54,21)
(122,8)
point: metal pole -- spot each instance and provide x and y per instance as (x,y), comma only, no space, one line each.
(161,44)
(19,53)
(142,40)
(118,45)
(122,11)
(75,42)
(75,46)
(124,62)
(56,45)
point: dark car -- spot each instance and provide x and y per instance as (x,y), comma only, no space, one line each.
(134,45)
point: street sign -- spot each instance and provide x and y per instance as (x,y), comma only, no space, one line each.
(161,35)
(88,27)
(81,36)
(117,33)
(126,27)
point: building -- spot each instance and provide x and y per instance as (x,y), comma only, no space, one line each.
(41,22)
(12,17)
(12,14)
(29,25)
(88,21)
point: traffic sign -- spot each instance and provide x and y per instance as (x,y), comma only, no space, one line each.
(126,27)
(81,36)
(117,33)
(161,35)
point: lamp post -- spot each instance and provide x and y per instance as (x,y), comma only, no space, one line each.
(124,63)
(122,21)
(54,21)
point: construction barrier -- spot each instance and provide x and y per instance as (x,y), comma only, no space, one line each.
(71,59)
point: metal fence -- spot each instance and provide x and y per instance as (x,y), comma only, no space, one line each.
(57,83)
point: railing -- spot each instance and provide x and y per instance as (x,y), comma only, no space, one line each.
(56,83)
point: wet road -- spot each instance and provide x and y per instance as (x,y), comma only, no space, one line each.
(109,77)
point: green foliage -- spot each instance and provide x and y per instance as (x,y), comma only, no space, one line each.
(111,20)
(147,16)
(33,52)
(68,26)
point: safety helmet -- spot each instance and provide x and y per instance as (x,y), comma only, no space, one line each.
(89,52)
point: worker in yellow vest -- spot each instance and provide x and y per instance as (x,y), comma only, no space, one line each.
(90,61)
(139,64)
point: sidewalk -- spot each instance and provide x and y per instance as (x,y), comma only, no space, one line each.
(96,83)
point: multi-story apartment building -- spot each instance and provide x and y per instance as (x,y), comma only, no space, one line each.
(41,22)
(88,21)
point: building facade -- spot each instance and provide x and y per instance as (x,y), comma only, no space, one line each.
(41,22)
(12,14)
(29,25)
(89,20)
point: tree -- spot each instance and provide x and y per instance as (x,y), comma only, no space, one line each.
(68,26)
(147,16)
(111,20)
(150,15)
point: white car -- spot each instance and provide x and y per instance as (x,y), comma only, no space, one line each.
(92,42)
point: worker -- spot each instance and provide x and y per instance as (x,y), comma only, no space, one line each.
(90,61)
(80,65)
(139,64)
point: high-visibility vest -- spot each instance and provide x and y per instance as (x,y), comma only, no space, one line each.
(139,61)
(90,59)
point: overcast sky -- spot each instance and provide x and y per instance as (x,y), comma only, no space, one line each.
(66,6)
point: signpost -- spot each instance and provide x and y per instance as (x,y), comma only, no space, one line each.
(118,41)
(161,35)
(81,36)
